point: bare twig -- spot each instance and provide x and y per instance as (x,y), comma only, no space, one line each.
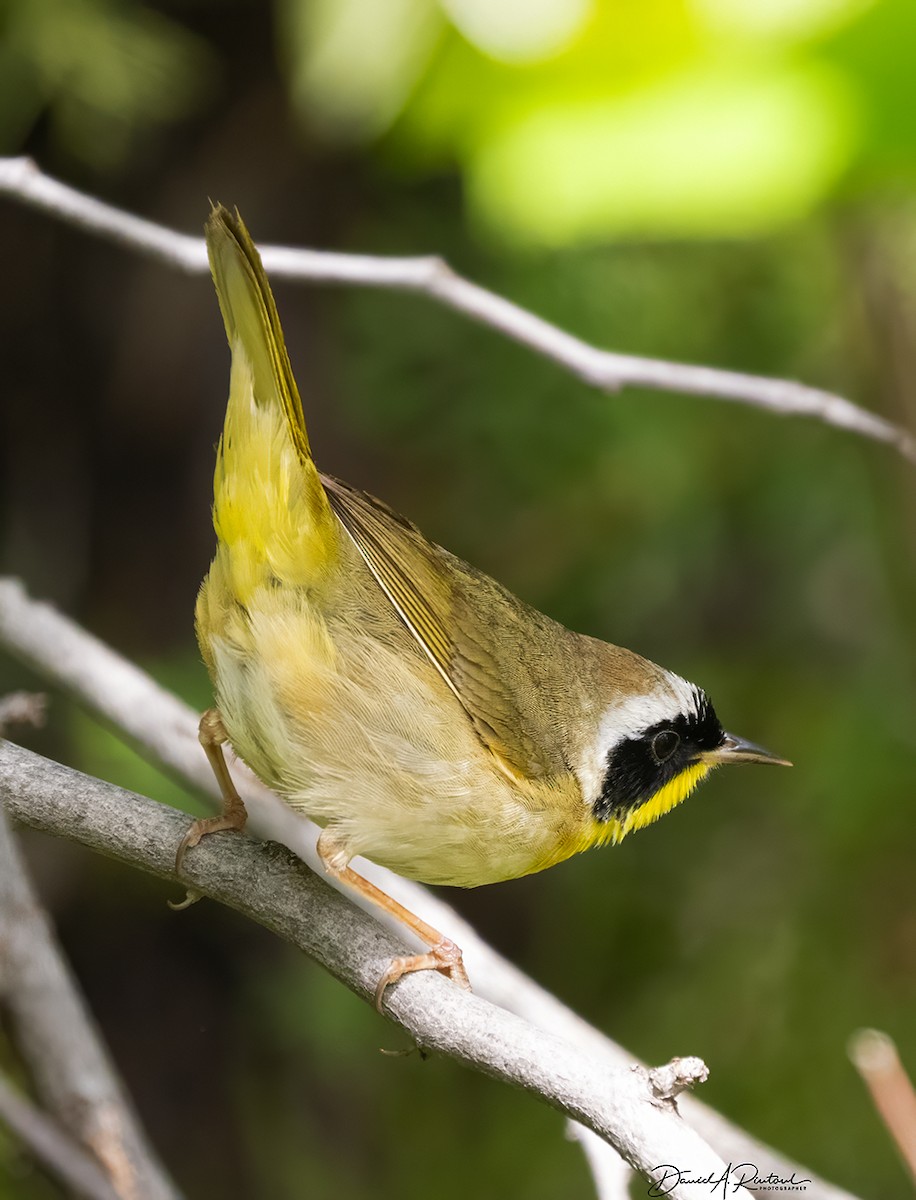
(165,731)
(58,1040)
(271,886)
(610,1173)
(875,1057)
(50,1146)
(20,178)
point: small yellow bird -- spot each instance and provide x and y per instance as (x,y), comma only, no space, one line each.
(415,709)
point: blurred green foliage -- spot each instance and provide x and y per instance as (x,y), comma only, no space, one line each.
(719,181)
(103,72)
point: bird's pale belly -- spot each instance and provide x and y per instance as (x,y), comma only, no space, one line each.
(369,743)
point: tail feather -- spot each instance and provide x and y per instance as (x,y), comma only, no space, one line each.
(270,510)
(251,318)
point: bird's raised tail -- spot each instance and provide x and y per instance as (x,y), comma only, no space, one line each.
(270,510)
(251,318)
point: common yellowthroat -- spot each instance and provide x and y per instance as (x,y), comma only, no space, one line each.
(414,708)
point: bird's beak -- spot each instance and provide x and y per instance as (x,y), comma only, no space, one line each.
(737,750)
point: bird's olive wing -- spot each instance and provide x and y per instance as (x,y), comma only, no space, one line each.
(459,632)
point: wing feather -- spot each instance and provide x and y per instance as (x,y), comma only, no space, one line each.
(439,600)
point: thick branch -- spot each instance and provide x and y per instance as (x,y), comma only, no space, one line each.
(604,369)
(58,1040)
(164,730)
(271,886)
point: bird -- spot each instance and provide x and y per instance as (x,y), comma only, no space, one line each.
(414,708)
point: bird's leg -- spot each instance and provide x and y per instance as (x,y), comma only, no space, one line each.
(443,954)
(212,735)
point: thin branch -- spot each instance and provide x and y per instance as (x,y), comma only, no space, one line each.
(50,1146)
(610,1173)
(268,884)
(21,179)
(58,1040)
(164,730)
(875,1057)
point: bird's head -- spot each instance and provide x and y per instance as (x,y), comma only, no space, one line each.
(653,747)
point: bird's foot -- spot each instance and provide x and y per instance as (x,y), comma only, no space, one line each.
(444,956)
(233,817)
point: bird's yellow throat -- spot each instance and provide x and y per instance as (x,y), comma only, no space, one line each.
(666,798)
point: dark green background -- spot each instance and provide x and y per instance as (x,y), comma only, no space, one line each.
(771,560)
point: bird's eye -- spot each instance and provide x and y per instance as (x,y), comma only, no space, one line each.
(664,744)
